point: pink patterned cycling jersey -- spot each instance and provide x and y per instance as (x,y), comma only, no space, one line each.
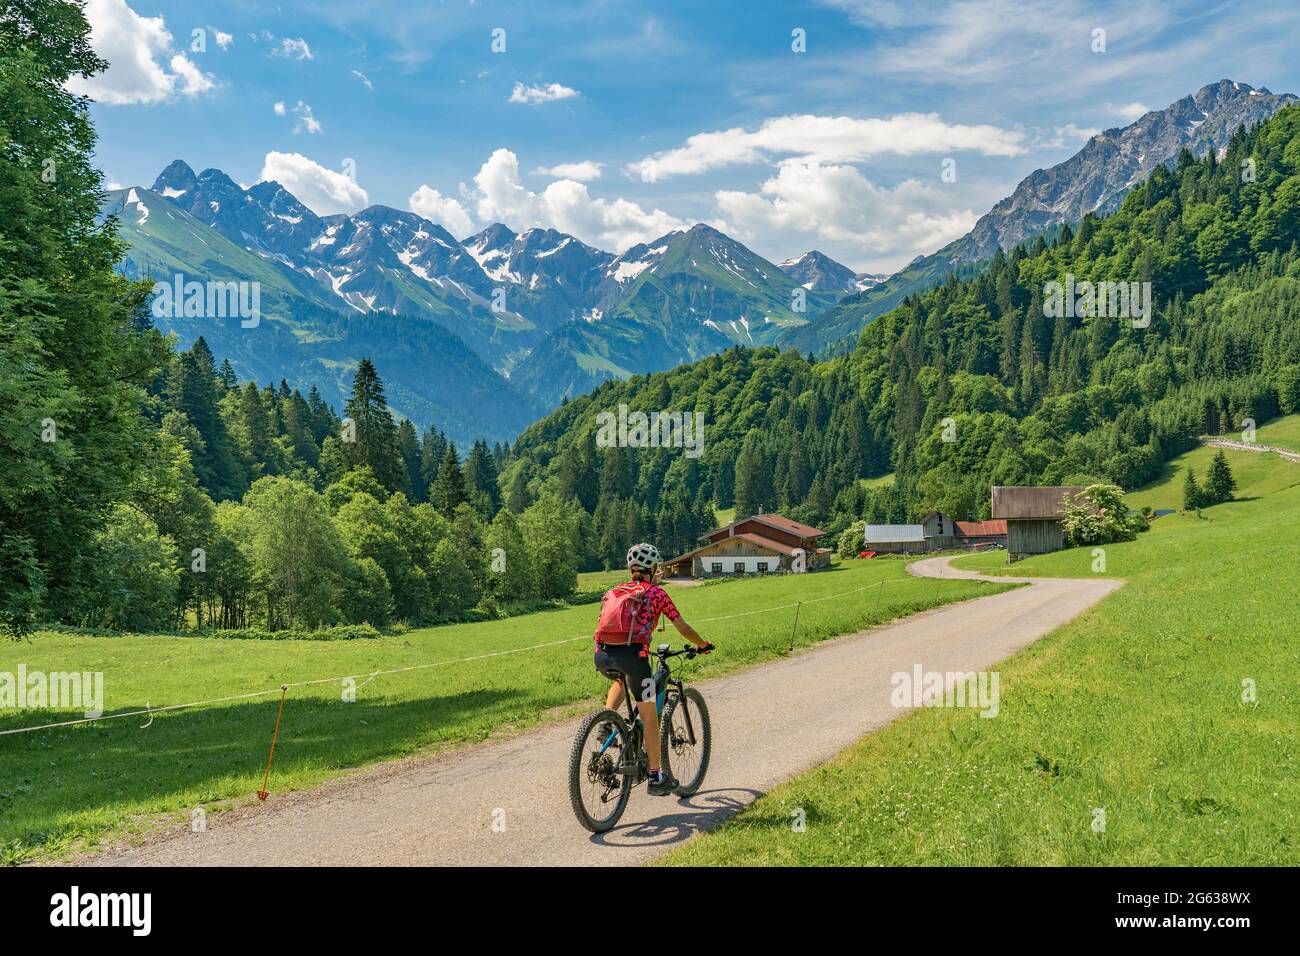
(657,602)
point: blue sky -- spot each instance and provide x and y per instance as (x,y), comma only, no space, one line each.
(619,121)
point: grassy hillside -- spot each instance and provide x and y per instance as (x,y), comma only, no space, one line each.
(1257,474)
(1136,708)
(878,482)
(1281,432)
(62,787)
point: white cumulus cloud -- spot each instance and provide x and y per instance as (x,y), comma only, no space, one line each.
(532,95)
(1128,111)
(838,206)
(364,79)
(321,190)
(498,195)
(826,139)
(144,65)
(279,109)
(223,39)
(584,171)
(193,80)
(444,210)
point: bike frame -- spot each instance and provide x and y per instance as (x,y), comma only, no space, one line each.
(663,679)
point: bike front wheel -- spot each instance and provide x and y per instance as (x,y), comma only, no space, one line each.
(685,740)
(599,780)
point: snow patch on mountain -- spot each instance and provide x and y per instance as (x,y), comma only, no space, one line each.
(627,271)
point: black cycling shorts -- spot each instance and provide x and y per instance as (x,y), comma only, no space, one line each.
(628,660)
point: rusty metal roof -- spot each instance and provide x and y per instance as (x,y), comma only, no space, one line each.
(1024,501)
(980,529)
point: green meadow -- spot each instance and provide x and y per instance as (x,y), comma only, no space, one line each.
(69,788)
(1257,474)
(1159,728)
(1281,432)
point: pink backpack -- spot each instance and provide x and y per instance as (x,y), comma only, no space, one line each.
(619,611)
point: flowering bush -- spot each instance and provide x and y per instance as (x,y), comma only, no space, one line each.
(1098,515)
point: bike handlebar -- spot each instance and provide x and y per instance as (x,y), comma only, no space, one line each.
(690,651)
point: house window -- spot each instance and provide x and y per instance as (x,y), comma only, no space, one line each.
(762,566)
(716,567)
(738,567)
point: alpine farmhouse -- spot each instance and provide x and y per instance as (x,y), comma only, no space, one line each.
(762,544)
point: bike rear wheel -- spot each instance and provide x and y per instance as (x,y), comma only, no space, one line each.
(598,787)
(687,762)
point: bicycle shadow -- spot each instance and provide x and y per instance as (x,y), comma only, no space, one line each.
(696,814)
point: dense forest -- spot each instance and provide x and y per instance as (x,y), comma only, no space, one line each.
(143,487)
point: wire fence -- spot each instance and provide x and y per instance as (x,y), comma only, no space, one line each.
(150,712)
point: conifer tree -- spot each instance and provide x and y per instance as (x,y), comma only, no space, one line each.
(1193,496)
(448,489)
(1219,483)
(373,429)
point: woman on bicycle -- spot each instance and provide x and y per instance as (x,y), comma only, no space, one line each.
(629,615)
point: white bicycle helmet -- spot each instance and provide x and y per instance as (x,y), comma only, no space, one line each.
(643,557)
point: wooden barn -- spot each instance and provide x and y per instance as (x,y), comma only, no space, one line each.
(763,544)
(894,538)
(981,534)
(1033,517)
(936,532)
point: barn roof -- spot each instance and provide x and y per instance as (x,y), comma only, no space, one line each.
(790,525)
(980,529)
(894,533)
(1022,501)
(780,522)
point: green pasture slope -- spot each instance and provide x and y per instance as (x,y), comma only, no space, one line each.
(67,788)
(1281,433)
(1135,709)
(1258,473)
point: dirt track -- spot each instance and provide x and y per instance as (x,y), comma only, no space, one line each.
(770,723)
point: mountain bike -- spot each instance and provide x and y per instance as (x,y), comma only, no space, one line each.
(609,758)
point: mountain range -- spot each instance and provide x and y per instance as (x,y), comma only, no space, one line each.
(1095,179)
(483,335)
(520,320)
(818,272)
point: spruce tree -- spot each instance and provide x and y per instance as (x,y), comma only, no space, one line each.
(448,489)
(481,480)
(373,429)
(226,375)
(432,449)
(753,480)
(257,433)
(408,445)
(1219,483)
(1193,496)
(193,389)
